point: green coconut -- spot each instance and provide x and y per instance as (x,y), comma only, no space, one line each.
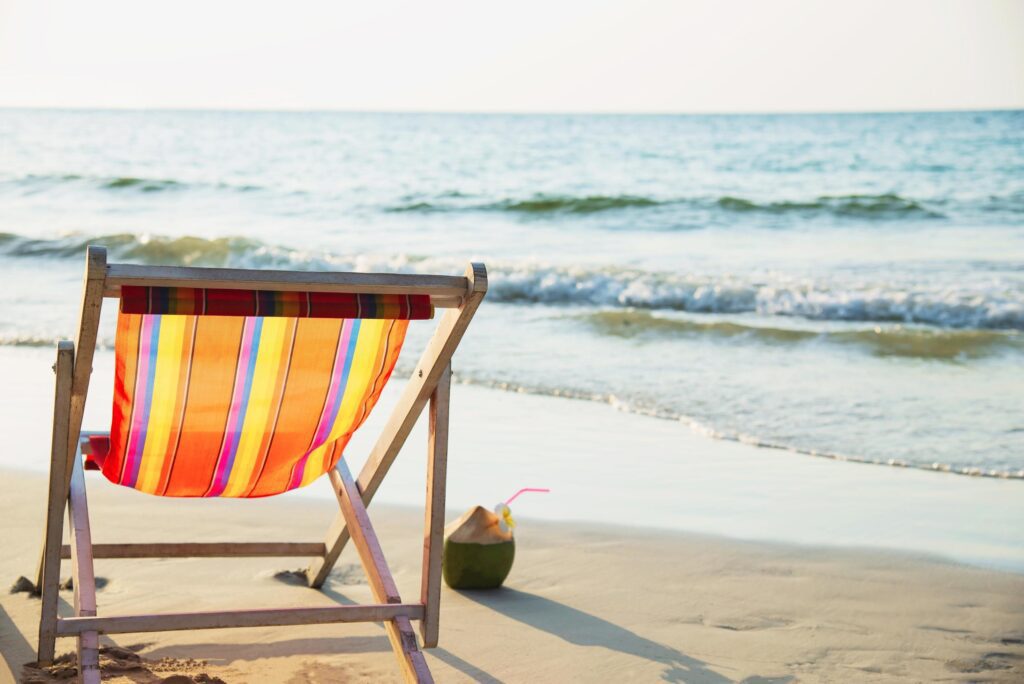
(478,554)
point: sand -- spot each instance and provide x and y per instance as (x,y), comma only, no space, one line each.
(768,566)
(583,603)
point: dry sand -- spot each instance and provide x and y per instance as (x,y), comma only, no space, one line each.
(583,603)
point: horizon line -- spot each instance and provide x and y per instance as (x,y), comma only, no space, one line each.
(497,112)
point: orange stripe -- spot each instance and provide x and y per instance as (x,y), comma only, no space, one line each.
(213,372)
(316,340)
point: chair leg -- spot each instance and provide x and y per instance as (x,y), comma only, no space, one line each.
(84,578)
(433,528)
(48,577)
(433,363)
(399,630)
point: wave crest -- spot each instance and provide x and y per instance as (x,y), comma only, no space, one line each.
(860,206)
(36,182)
(527,282)
(537,204)
(184,251)
(894,340)
(141,184)
(887,205)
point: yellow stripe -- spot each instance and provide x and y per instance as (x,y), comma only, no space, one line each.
(259,406)
(361,374)
(161,412)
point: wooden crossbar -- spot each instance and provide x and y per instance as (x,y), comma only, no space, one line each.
(444,291)
(268,617)
(204,550)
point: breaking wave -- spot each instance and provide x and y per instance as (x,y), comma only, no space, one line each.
(537,204)
(938,304)
(32,183)
(860,206)
(890,340)
(857,206)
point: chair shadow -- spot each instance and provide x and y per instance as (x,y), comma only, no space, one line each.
(224,654)
(583,629)
(468,669)
(15,649)
(445,656)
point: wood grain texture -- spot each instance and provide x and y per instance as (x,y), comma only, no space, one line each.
(268,617)
(433,526)
(382,585)
(204,550)
(84,578)
(440,286)
(363,535)
(48,576)
(85,342)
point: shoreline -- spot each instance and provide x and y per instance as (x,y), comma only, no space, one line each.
(589,602)
(610,467)
(700,429)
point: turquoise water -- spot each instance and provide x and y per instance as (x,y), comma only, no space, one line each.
(841,285)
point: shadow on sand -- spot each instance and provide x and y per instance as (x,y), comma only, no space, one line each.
(14,647)
(584,629)
(225,654)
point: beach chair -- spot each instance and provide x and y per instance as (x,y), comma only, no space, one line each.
(249,383)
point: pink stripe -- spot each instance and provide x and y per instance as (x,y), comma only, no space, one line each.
(141,398)
(233,428)
(327,415)
(327,418)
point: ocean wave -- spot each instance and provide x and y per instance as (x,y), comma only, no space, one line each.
(893,340)
(887,205)
(938,304)
(28,341)
(38,182)
(548,204)
(537,204)
(859,206)
(141,184)
(185,251)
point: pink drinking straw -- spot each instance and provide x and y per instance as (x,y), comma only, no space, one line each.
(526,489)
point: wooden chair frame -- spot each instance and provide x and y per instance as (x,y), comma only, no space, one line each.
(430,382)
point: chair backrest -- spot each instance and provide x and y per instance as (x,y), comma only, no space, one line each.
(242,392)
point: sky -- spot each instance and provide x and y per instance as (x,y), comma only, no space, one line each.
(523,56)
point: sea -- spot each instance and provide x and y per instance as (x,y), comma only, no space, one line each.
(844,286)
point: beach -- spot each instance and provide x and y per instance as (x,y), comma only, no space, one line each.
(748,580)
(583,603)
(768,367)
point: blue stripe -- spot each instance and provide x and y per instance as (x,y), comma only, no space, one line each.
(250,372)
(154,345)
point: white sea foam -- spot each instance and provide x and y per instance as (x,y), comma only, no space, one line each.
(625,405)
(990,304)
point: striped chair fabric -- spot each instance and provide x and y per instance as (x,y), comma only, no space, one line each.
(237,393)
